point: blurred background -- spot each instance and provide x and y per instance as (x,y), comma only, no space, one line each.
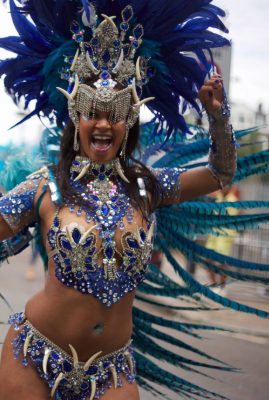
(244,67)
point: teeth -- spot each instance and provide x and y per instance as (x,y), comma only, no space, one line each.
(101,138)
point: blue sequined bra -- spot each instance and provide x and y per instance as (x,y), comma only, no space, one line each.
(89,261)
(75,254)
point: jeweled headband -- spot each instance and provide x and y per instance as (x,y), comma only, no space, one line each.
(103,75)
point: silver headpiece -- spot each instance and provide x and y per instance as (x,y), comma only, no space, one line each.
(103,75)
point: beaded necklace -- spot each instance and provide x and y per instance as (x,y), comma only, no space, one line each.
(104,201)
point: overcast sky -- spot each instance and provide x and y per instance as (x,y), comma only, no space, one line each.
(249,30)
(248,22)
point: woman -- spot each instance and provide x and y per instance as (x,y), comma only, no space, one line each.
(74,338)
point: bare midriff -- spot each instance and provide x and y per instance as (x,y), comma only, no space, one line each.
(66,316)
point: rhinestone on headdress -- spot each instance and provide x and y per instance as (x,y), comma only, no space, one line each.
(103,63)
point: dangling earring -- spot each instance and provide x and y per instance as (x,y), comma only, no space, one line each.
(123,149)
(76,143)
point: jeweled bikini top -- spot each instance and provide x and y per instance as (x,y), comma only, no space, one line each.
(103,271)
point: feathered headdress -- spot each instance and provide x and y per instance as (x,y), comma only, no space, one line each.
(176,34)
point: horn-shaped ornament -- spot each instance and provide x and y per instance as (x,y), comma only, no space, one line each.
(91,360)
(141,102)
(134,92)
(75,355)
(137,102)
(27,343)
(56,384)
(114,375)
(72,95)
(83,172)
(69,235)
(86,234)
(45,360)
(110,21)
(93,389)
(118,65)
(74,61)
(120,171)
(91,66)
(137,69)
(150,233)
(129,361)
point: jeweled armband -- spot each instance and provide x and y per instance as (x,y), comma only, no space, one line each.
(15,245)
(222,154)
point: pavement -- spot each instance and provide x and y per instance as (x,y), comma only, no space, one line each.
(246,349)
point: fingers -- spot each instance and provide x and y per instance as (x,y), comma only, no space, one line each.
(212,90)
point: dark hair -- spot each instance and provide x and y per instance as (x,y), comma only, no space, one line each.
(133,169)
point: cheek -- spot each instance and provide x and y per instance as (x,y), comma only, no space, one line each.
(85,128)
(119,132)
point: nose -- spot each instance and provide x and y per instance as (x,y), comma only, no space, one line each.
(102,123)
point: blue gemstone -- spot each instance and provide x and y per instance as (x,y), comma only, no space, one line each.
(92,370)
(89,49)
(132,243)
(55,356)
(67,261)
(114,198)
(109,252)
(89,267)
(66,244)
(105,210)
(138,31)
(116,43)
(106,56)
(95,41)
(79,38)
(127,13)
(79,275)
(67,367)
(76,235)
(68,269)
(105,83)
(106,364)
(132,260)
(88,241)
(142,235)
(84,386)
(124,26)
(102,177)
(104,75)
(135,44)
(95,172)
(95,198)
(109,172)
(120,357)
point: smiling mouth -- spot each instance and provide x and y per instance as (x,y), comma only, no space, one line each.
(101,143)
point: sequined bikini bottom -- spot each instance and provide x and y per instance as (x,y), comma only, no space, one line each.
(66,376)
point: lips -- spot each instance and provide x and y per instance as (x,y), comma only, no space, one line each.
(101,143)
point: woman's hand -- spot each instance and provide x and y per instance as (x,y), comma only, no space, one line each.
(211,94)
